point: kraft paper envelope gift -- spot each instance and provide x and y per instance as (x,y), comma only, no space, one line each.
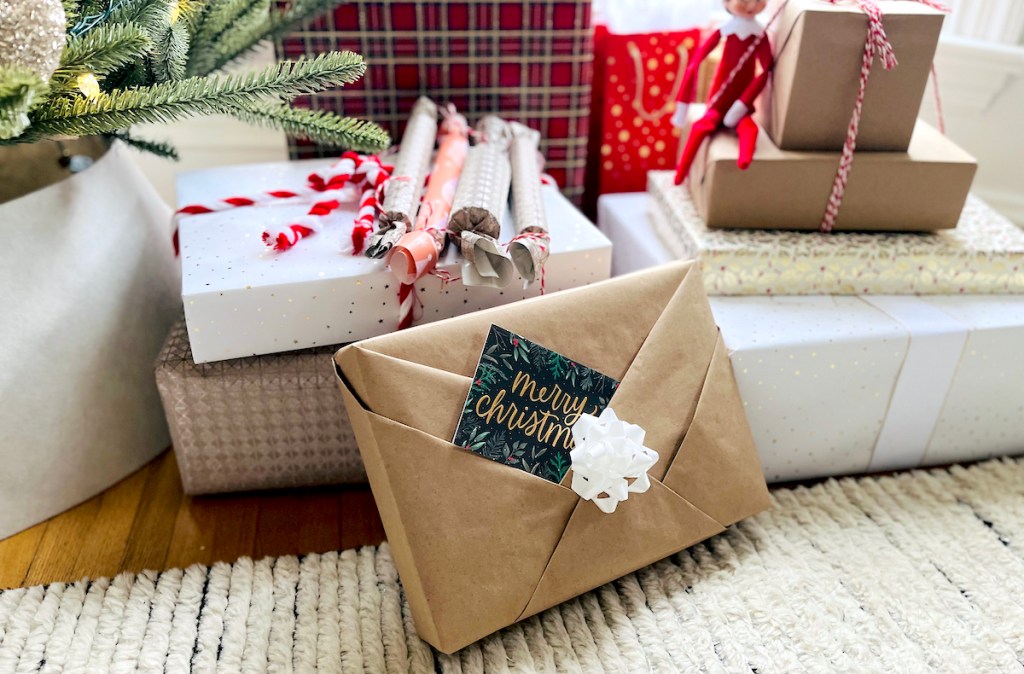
(480,545)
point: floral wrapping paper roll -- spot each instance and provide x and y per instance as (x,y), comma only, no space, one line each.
(531,246)
(402,193)
(480,202)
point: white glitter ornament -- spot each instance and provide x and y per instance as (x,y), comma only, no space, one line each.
(32,35)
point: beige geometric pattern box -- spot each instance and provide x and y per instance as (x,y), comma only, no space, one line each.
(263,422)
(984,254)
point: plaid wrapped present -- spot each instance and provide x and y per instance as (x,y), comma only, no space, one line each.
(530,60)
(263,422)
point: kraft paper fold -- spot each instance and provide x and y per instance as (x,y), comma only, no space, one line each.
(468,566)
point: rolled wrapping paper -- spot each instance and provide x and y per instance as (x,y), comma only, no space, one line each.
(417,252)
(479,205)
(529,249)
(402,194)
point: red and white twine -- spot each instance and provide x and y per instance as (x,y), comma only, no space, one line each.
(543,241)
(352,170)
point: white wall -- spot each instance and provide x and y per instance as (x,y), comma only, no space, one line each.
(982,91)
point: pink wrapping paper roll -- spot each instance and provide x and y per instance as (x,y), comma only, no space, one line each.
(418,251)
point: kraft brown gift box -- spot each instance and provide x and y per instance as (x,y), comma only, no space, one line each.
(923,189)
(480,545)
(818,51)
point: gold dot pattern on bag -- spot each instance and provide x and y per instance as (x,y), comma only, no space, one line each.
(623,135)
(606,150)
(616,110)
(645,151)
(659,145)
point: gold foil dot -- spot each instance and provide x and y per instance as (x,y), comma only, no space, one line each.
(616,110)
(670,58)
(623,135)
(655,90)
(645,152)
(652,63)
(608,166)
(659,146)
(606,150)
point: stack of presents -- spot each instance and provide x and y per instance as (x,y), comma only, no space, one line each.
(869,309)
(890,341)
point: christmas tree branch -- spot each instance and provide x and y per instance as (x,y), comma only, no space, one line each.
(319,126)
(159,148)
(170,54)
(275,24)
(20,90)
(174,100)
(102,50)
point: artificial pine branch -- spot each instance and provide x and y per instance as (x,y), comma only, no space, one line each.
(319,126)
(170,54)
(214,18)
(277,24)
(20,90)
(152,16)
(72,11)
(169,101)
(159,148)
(102,50)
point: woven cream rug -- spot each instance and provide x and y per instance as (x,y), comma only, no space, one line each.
(919,572)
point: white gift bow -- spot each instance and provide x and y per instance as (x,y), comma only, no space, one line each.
(609,460)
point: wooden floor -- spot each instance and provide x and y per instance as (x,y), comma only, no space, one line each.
(146,522)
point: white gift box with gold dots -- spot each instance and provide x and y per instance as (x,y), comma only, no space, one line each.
(242,299)
(844,384)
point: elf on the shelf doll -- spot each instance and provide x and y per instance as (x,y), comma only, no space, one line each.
(732,94)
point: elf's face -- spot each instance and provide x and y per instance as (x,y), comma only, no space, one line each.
(747,9)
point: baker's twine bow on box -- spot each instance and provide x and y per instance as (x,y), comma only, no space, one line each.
(609,461)
(351,172)
(876,45)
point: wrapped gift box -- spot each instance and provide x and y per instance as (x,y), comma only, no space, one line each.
(923,189)
(480,544)
(242,300)
(818,51)
(532,63)
(844,384)
(262,422)
(984,254)
(838,385)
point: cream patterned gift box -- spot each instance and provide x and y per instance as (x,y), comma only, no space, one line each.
(983,255)
(262,422)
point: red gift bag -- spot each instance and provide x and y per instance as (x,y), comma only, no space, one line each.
(636,82)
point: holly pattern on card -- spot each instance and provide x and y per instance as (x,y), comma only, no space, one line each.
(523,403)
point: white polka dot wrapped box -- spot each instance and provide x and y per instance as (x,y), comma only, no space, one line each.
(841,385)
(984,254)
(241,299)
